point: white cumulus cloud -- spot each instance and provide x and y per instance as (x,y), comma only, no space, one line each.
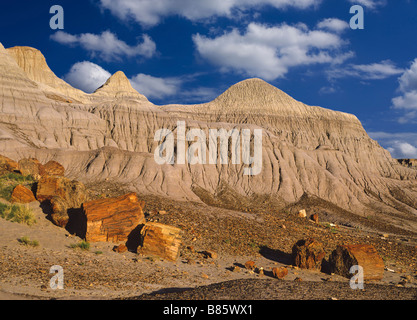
(333,24)
(106,45)
(407,100)
(269,52)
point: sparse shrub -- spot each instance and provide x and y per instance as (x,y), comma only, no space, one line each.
(27,242)
(83,245)
(17,213)
(9,181)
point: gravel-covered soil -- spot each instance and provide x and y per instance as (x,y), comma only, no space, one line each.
(264,236)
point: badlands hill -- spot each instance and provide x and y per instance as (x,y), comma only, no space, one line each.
(311,155)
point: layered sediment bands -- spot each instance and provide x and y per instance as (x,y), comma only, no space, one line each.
(306,151)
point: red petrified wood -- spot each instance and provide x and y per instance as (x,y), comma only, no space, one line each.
(113,219)
(22,194)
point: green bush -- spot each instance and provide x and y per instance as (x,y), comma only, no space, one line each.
(9,181)
(27,242)
(83,245)
(17,213)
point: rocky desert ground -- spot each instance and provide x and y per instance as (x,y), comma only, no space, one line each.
(80,189)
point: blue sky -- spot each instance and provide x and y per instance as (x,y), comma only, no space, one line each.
(190,51)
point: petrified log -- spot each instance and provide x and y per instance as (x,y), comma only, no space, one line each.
(366,256)
(31,167)
(22,194)
(72,192)
(308,254)
(7,165)
(59,215)
(53,168)
(113,219)
(160,240)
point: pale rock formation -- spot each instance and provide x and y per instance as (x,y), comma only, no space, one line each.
(109,134)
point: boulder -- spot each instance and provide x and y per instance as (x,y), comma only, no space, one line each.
(31,167)
(364,255)
(113,219)
(22,194)
(53,168)
(74,193)
(160,240)
(308,254)
(280,273)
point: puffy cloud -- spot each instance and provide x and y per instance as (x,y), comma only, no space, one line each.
(268,52)
(400,145)
(106,45)
(408,98)
(333,24)
(86,76)
(150,12)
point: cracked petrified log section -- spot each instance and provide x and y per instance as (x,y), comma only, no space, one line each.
(160,240)
(364,255)
(308,254)
(22,194)
(113,219)
(53,168)
(73,192)
(32,167)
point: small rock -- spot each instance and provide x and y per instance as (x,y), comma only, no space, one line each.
(280,273)
(261,271)
(203,275)
(210,254)
(120,248)
(302,213)
(236,269)
(298,279)
(250,265)
(315,218)
(162,212)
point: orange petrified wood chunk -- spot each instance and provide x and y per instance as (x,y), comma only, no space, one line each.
(160,240)
(113,219)
(22,194)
